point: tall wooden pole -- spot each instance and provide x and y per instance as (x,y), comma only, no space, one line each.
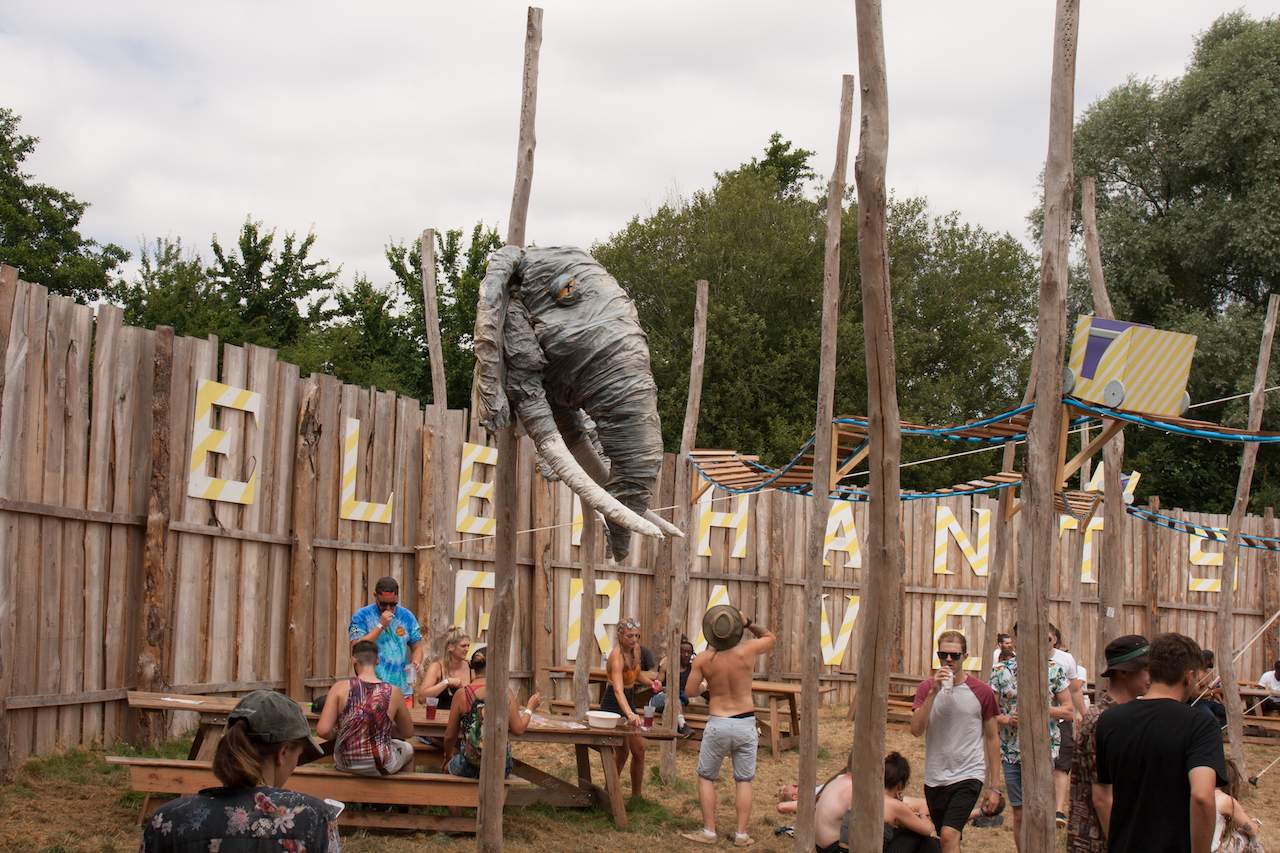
(302,563)
(155,574)
(435,560)
(1270,590)
(1111,566)
(820,506)
(489,837)
(1227,595)
(1044,447)
(587,614)
(431,312)
(684,552)
(882,581)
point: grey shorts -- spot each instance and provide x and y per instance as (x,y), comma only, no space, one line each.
(732,736)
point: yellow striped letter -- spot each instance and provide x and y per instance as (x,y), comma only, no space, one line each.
(735,521)
(842,535)
(205,440)
(350,508)
(469,487)
(945,522)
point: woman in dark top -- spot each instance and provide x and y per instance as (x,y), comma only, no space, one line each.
(266,738)
(447,676)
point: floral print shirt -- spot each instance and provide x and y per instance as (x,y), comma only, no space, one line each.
(243,820)
(1004,681)
(1084,832)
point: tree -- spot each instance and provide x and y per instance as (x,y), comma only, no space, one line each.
(39,226)
(173,288)
(962,302)
(1189,219)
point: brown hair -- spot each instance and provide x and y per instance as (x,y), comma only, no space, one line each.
(1172,656)
(238,761)
(365,652)
(954,636)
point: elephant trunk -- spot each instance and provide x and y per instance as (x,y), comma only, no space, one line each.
(599,471)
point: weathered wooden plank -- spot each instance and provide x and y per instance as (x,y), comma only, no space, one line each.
(302,567)
(253,610)
(223,602)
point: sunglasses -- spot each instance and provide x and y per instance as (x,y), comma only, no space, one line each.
(387,605)
(630,623)
(950,655)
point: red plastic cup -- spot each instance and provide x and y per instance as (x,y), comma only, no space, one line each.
(430,704)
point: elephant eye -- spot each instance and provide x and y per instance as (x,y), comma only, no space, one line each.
(565,289)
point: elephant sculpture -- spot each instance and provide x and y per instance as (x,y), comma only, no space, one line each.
(556,336)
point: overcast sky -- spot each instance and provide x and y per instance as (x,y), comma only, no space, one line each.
(369,122)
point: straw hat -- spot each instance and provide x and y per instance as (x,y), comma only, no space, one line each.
(722,626)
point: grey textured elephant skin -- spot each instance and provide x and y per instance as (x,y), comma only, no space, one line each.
(557,336)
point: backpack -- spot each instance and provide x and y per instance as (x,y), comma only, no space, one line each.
(471,727)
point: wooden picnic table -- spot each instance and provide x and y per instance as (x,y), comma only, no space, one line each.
(550,790)
(776,693)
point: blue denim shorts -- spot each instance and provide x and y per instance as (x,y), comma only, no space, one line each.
(459,766)
(1013,782)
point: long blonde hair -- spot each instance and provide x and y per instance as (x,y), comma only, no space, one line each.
(453,635)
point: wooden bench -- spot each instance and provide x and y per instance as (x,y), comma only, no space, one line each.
(161,778)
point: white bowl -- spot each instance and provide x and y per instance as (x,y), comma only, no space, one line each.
(603,719)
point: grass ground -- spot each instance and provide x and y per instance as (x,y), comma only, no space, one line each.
(77,802)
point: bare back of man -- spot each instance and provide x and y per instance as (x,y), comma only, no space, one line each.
(728,676)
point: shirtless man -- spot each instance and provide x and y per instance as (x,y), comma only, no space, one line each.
(725,669)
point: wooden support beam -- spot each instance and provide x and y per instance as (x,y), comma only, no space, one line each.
(489,837)
(302,563)
(1110,429)
(542,617)
(154,624)
(824,474)
(882,603)
(431,316)
(1270,589)
(1039,530)
(684,551)
(1151,565)
(587,557)
(1227,594)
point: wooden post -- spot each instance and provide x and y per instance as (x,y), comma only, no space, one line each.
(431,311)
(587,617)
(542,617)
(1270,590)
(882,596)
(154,623)
(1151,563)
(8,579)
(684,551)
(492,783)
(1227,594)
(823,460)
(1044,451)
(1111,567)
(302,563)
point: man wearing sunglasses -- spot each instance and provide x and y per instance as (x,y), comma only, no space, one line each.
(956,714)
(395,630)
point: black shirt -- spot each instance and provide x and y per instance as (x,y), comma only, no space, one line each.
(1145,749)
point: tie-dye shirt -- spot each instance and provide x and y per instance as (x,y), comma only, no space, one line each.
(393,643)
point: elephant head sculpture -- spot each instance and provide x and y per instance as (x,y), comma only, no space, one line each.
(557,336)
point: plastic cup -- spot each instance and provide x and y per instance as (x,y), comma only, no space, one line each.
(648,716)
(430,704)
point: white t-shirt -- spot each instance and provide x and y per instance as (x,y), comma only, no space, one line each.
(1269,681)
(1084,684)
(1068,664)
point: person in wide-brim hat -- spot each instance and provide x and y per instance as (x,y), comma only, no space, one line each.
(722,626)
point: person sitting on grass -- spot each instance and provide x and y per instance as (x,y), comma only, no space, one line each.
(1234,831)
(363,714)
(266,738)
(907,825)
(462,737)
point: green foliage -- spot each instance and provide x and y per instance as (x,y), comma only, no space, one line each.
(1189,220)
(39,226)
(962,304)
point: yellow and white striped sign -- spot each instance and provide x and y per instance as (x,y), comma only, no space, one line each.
(1201,557)
(944,610)
(349,507)
(464,580)
(736,520)
(833,653)
(945,522)
(719,595)
(1067,522)
(205,440)
(842,535)
(575,525)
(470,488)
(605,617)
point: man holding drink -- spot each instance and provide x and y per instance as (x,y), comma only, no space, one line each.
(395,631)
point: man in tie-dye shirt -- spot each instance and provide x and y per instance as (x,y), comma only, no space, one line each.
(396,632)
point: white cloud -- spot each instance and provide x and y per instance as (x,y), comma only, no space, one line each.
(368,123)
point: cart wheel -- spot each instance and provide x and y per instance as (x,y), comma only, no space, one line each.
(1186,403)
(1113,394)
(1068,380)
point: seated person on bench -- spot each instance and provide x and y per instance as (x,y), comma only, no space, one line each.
(364,714)
(462,737)
(659,700)
(266,738)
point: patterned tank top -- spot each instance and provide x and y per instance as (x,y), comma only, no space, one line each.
(364,726)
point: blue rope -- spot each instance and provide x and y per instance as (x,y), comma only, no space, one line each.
(1211,435)
(948,431)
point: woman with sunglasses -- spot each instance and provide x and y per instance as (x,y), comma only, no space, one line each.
(627,664)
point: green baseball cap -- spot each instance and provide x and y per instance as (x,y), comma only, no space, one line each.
(272,717)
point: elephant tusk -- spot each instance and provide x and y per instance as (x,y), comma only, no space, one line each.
(591,463)
(557,455)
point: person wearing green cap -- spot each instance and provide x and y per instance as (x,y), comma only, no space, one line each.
(266,738)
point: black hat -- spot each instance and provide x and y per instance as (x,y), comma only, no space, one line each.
(275,718)
(1126,654)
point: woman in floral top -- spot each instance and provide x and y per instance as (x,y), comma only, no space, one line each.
(267,737)
(1004,683)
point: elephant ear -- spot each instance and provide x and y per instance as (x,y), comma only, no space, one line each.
(491,316)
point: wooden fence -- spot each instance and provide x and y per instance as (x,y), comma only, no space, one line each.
(274,502)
